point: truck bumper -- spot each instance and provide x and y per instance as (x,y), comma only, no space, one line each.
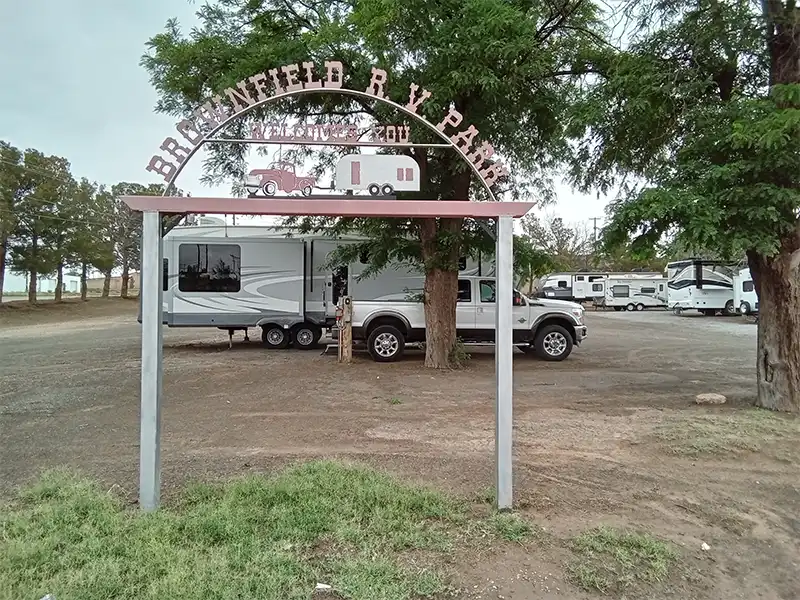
(580,333)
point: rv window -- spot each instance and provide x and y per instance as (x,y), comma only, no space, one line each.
(487,291)
(462,263)
(579,278)
(464,290)
(648,290)
(166,274)
(209,267)
(400,172)
(562,284)
(597,287)
(660,287)
(747,286)
(409,174)
(620,291)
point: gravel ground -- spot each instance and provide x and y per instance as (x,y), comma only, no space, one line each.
(611,435)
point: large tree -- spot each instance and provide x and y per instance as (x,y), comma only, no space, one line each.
(703,106)
(509,67)
(11,191)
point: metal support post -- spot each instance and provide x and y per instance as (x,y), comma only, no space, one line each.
(504,361)
(152,341)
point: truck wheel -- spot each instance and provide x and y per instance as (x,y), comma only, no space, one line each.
(553,342)
(269,188)
(386,344)
(374,189)
(275,337)
(305,336)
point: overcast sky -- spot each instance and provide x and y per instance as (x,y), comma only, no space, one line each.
(71,85)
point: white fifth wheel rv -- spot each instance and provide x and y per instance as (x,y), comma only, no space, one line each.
(572,287)
(744,293)
(702,285)
(236,277)
(635,293)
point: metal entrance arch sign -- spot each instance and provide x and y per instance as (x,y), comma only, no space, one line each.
(275,84)
(257,90)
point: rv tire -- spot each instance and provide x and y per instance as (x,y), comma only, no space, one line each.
(387,189)
(744,308)
(553,343)
(640,306)
(730,309)
(305,336)
(275,337)
(374,189)
(630,307)
(386,343)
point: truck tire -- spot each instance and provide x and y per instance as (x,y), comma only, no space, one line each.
(305,336)
(386,343)
(553,342)
(275,337)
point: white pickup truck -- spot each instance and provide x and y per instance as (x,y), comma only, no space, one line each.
(548,328)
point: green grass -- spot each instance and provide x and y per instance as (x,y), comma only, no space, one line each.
(612,560)
(510,527)
(356,529)
(741,431)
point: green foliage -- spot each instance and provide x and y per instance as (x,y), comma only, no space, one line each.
(687,112)
(267,537)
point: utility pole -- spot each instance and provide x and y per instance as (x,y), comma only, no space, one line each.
(594,243)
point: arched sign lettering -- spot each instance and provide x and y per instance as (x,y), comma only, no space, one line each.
(274,84)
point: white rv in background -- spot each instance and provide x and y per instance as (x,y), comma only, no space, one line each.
(635,293)
(236,277)
(572,287)
(744,293)
(702,285)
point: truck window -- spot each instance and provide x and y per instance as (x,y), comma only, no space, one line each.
(464,290)
(209,268)
(747,286)
(620,291)
(487,291)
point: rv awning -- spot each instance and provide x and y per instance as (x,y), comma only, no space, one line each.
(328,206)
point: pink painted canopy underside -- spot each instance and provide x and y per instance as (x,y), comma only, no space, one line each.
(327,206)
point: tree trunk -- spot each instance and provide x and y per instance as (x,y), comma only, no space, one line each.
(3,252)
(34,274)
(107,283)
(84,284)
(123,292)
(777,283)
(59,282)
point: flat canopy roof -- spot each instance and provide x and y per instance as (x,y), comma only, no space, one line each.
(333,206)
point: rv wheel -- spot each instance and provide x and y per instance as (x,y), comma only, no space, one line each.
(387,190)
(305,336)
(744,308)
(386,344)
(640,306)
(553,342)
(630,307)
(730,309)
(274,337)
(374,189)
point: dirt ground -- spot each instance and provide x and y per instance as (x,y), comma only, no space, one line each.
(609,436)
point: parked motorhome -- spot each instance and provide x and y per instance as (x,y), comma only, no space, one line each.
(634,293)
(702,285)
(744,293)
(235,277)
(380,174)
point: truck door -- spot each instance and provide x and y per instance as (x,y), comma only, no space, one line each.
(465,306)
